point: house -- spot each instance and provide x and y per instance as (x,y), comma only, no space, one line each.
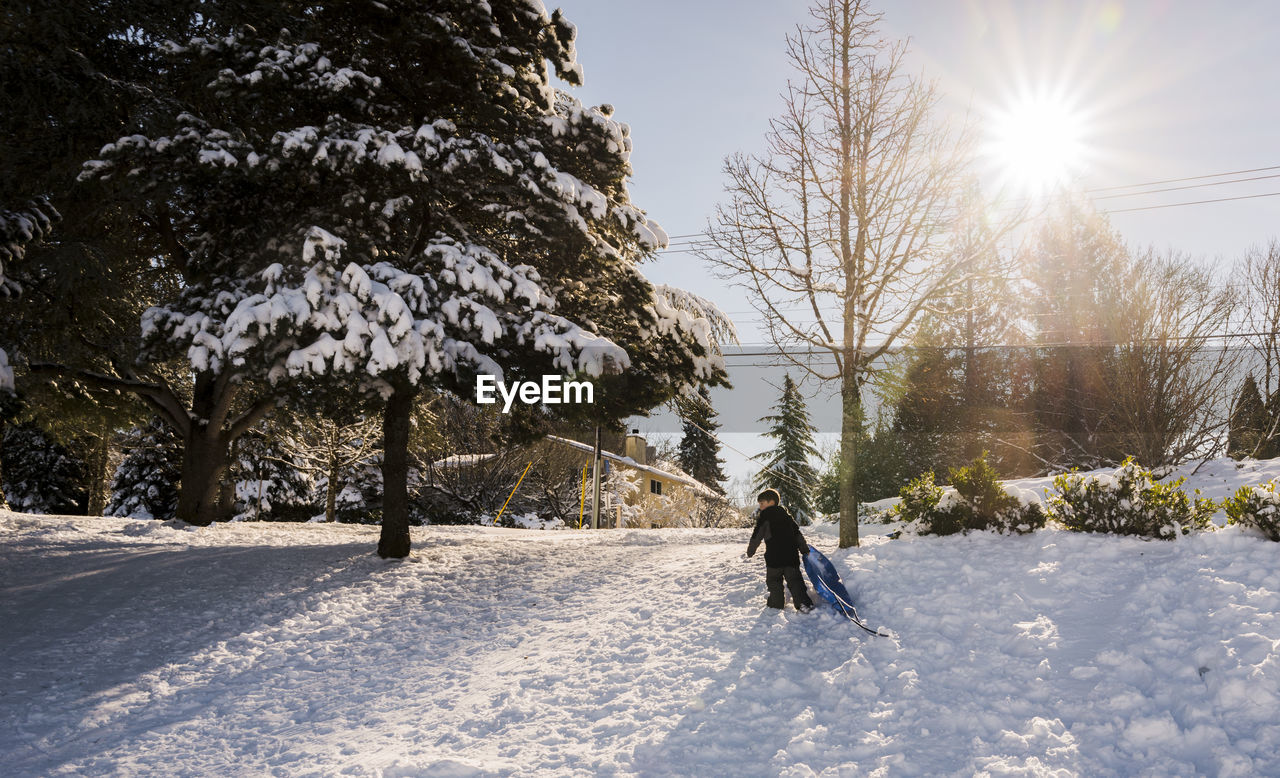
(661,497)
(637,453)
(634,492)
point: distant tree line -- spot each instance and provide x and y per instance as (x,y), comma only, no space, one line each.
(1079,352)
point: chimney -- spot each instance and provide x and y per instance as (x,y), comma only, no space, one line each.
(635,448)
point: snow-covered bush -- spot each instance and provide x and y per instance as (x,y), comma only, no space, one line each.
(145,484)
(976,502)
(522,521)
(1256,506)
(870,513)
(919,498)
(622,485)
(1128,502)
(716,512)
(681,506)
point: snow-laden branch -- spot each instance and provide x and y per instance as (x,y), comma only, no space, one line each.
(719,327)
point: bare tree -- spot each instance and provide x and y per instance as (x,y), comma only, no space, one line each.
(1171,382)
(327,448)
(1258,281)
(844,217)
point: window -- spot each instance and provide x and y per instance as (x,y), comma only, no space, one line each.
(655,487)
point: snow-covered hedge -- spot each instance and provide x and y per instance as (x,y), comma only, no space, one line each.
(1128,502)
(977,501)
(522,521)
(1256,506)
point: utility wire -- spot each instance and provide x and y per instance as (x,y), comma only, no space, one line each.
(1192,186)
(750,457)
(1180,180)
(1193,202)
(809,351)
(700,237)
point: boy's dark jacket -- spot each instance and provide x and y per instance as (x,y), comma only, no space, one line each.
(783,543)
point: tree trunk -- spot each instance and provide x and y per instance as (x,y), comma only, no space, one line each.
(850,431)
(97,481)
(4,504)
(331,493)
(969,414)
(852,252)
(394,541)
(204,464)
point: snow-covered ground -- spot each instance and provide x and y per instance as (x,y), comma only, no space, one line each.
(137,648)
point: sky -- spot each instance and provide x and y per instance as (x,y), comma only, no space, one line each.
(1161,89)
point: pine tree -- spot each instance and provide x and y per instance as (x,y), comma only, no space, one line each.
(699,452)
(960,397)
(787,468)
(449,213)
(76,73)
(41,475)
(1073,263)
(270,484)
(1249,422)
(9,407)
(145,484)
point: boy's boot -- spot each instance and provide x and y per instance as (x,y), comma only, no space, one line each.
(799,592)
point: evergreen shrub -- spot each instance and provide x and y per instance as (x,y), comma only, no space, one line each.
(1129,501)
(977,502)
(1256,506)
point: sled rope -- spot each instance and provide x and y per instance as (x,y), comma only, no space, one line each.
(854,618)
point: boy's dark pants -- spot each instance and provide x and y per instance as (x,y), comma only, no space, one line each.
(799,592)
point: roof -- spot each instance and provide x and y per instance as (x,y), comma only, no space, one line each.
(460,460)
(629,462)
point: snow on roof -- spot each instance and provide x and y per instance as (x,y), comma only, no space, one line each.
(458,460)
(629,462)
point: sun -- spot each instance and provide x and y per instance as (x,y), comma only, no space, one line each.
(1037,142)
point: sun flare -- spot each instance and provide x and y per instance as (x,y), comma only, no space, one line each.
(1038,142)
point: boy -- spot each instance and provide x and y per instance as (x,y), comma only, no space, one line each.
(783,545)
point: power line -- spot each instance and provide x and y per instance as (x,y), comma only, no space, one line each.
(1193,202)
(1181,188)
(750,457)
(1112,210)
(1180,180)
(812,351)
(698,239)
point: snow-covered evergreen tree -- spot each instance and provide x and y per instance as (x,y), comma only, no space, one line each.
(145,484)
(1249,423)
(358,496)
(270,484)
(40,474)
(17,229)
(787,468)
(449,213)
(75,73)
(699,452)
